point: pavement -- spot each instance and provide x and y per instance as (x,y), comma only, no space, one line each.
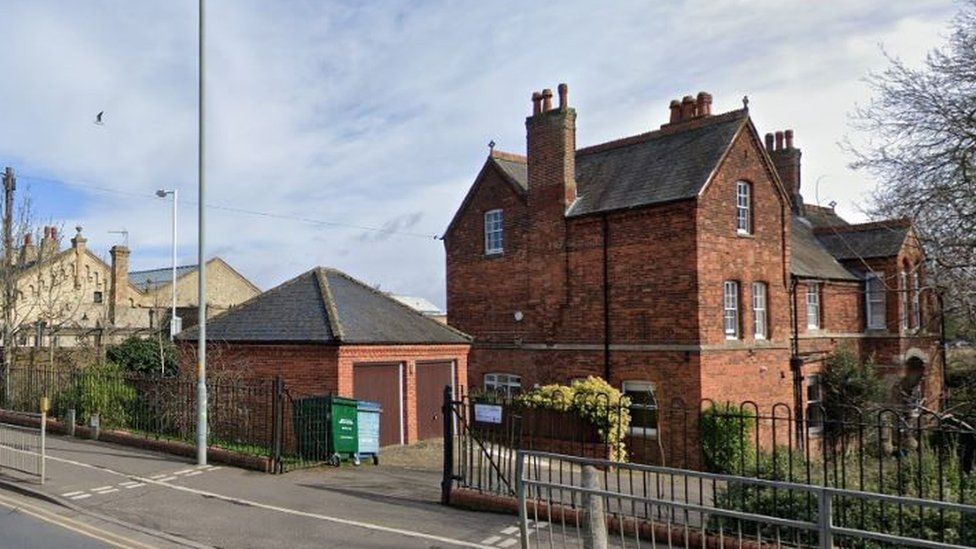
(178,503)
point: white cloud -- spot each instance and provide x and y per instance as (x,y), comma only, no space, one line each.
(378,115)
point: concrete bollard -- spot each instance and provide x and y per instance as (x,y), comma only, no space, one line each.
(93,425)
(71,420)
(594,523)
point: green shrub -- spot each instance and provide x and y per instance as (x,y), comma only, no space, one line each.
(851,388)
(144,355)
(592,399)
(100,389)
(726,439)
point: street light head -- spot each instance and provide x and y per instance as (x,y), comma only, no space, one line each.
(162,194)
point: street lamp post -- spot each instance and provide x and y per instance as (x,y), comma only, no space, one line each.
(201,265)
(174,320)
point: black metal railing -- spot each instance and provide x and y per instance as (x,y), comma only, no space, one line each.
(253,417)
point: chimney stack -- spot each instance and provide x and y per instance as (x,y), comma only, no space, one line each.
(119,290)
(551,165)
(28,253)
(704,104)
(786,159)
(551,151)
(689,108)
(49,244)
(675,107)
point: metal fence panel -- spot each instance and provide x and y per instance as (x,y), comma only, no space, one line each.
(568,501)
(24,449)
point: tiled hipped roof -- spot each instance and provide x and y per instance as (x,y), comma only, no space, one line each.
(327,306)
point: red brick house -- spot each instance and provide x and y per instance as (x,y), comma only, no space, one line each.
(325,332)
(680,261)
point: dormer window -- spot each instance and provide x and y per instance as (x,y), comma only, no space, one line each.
(743,207)
(494,232)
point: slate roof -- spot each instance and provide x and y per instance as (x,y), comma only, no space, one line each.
(819,216)
(810,259)
(865,240)
(145,280)
(517,171)
(659,166)
(327,306)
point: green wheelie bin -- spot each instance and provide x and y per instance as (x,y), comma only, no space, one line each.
(343,430)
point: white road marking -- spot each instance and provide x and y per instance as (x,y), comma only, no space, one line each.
(81,496)
(165,479)
(183,472)
(100,488)
(154,477)
(69,494)
(136,485)
(194,473)
(285,510)
(128,484)
(508,542)
(510,531)
(109,491)
(491,540)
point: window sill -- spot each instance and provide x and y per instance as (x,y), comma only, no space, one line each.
(741,234)
(643,433)
(494,255)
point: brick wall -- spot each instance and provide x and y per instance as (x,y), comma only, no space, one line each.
(309,369)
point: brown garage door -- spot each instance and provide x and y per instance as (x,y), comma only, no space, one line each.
(381,383)
(431,379)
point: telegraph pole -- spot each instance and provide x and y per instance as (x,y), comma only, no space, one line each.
(201,265)
(9,186)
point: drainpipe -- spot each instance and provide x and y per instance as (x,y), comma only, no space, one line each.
(942,350)
(796,365)
(606,299)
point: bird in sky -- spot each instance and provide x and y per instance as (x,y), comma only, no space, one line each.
(98,118)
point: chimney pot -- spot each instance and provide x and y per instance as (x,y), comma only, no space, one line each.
(47,232)
(789,139)
(546,100)
(704,106)
(687,108)
(54,233)
(563,90)
(28,239)
(675,107)
(779,141)
(536,103)
(769,141)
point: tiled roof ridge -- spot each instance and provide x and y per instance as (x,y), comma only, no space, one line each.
(511,157)
(389,298)
(669,129)
(178,267)
(897,223)
(328,301)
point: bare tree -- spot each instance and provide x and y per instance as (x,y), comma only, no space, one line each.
(920,130)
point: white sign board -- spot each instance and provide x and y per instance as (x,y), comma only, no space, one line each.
(487,413)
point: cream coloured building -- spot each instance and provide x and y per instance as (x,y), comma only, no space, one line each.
(71,297)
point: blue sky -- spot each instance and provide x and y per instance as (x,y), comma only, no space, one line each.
(340,115)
